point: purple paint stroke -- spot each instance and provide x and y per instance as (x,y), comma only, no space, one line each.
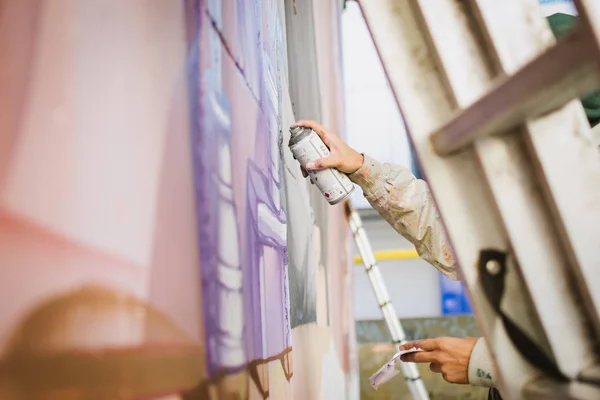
(248,39)
(260,236)
(204,205)
(266,283)
(220,261)
(225,304)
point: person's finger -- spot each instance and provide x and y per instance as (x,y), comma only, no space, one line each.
(420,357)
(435,367)
(408,345)
(314,125)
(326,137)
(304,173)
(427,345)
(322,163)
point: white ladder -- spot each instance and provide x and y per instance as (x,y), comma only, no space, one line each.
(487,99)
(409,370)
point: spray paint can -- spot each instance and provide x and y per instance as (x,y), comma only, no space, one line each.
(307,146)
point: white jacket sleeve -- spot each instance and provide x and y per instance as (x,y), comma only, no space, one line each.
(482,371)
(406,204)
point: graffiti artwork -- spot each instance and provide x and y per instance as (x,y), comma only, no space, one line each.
(158,239)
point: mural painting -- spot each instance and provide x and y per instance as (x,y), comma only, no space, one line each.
(97,234)
(160,240)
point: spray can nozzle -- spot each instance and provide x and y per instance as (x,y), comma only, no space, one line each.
(294,130)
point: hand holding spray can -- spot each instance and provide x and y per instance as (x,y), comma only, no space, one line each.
(307,146)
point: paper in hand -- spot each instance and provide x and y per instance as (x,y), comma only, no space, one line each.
(388,371)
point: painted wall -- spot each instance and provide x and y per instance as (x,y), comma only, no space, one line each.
(157,239)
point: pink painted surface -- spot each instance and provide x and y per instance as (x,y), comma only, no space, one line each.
(100,113)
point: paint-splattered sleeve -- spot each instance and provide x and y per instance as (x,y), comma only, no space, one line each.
(406,203)
(481,370)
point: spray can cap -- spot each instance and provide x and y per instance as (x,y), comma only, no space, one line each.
(297,133)
(294,130)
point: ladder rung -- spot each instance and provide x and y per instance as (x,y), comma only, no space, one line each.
(565,71)
(385,303)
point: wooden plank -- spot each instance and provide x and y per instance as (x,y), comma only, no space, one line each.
(562,73)
(562,151)
(512,180)
(487,194)
(589,16)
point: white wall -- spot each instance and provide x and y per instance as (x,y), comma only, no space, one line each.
(413,285)
(373,122)
(374,126)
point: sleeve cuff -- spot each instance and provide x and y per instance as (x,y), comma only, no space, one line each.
(481,368)
(368,176)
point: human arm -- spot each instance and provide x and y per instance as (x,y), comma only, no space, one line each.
(459,360)
(404,201)
(407,205)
